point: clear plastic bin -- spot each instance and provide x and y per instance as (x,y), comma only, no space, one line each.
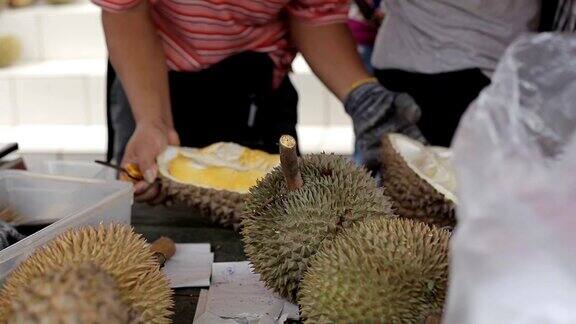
(79,169)
(65,202)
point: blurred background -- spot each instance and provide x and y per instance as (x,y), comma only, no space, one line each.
(53,103)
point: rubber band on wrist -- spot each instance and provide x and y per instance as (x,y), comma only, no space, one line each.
(362,82)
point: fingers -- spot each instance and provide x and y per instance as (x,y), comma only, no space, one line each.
(414,132)
(147,192)
(407,108)
(173,138)
(140,187)
(147,163)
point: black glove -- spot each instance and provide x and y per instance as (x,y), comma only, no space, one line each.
(376,111)
(8,235)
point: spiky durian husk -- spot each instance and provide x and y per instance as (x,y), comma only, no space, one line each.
(10,50)
(222,207)
(391,271)
(283,229)
(116,249)
(411,196)
(77,294)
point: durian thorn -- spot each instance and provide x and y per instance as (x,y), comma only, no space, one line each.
(163,249)
(289,163)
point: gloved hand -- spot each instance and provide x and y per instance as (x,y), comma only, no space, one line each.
(376,111)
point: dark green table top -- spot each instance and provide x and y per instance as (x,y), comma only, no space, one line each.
(184,226)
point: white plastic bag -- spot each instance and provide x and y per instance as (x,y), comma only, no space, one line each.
(514,249)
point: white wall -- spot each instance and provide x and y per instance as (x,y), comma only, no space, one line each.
(52,102)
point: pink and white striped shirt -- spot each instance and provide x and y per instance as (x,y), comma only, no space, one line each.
(199,33)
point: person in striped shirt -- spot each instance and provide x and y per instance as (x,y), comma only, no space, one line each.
(194,72)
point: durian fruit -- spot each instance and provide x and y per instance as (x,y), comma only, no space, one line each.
(298,206)
(10,50)
(117,250)
(213,180)
(20,3)
(76,294)
(420,180)
(59,2)
(391,271)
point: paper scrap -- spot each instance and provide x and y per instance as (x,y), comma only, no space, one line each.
(237,293)
(191,266)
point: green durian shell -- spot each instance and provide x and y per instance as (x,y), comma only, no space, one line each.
(392,271)
(282,230)
(81,294)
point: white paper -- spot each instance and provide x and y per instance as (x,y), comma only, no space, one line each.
(237,293)
(209,318)
(190,266)
(201,305)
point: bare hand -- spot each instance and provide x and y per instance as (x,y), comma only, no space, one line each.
(147,142)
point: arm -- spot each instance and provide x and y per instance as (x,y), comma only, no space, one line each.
(137,56)
(139,62)
(331,53)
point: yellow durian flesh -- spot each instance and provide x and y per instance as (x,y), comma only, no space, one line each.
(221,166)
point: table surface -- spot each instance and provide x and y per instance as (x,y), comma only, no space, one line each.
(184,226)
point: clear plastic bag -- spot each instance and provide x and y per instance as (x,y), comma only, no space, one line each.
(514,249)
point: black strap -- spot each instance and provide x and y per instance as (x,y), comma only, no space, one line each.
(366,9)
(110,77)
(7,149)
(549,8)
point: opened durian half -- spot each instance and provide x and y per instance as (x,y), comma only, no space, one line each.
(214,180)
(419,179)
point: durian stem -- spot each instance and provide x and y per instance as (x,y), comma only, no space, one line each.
(289,163)
(163,249)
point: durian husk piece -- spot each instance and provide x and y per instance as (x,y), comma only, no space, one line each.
(419,180)
(114,248)
(391,271)
(283,228)
(76,294)
(222,175)
(10,50)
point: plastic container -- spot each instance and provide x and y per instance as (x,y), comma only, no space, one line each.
(79,169)
(65,202)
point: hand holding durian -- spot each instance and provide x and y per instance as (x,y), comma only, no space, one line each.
(213,181)
(320,232)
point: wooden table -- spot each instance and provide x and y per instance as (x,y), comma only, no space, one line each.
(183,226)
